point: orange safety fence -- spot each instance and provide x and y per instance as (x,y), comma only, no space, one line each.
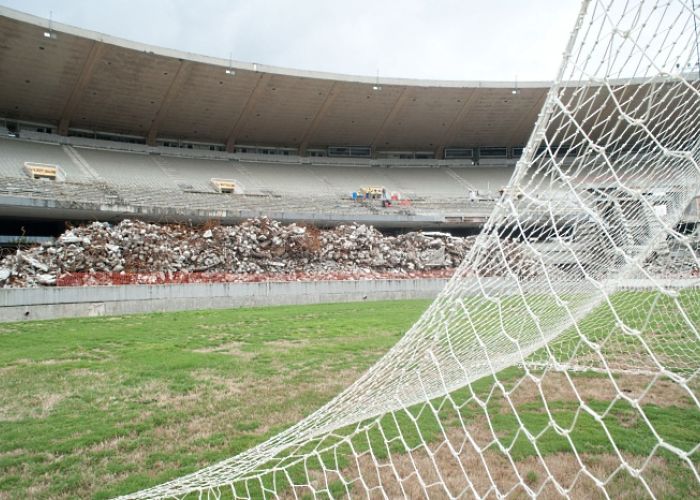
(163,278)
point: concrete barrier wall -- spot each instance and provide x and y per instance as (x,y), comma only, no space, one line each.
(63,302)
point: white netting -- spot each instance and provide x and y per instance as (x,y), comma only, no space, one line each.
(563,357)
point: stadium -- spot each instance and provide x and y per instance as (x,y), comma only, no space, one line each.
(233,280)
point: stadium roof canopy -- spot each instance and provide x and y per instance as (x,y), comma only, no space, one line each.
(77,79)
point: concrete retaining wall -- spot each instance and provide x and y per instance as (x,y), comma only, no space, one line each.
(62,302)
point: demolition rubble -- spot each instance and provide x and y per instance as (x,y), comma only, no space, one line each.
(255,248)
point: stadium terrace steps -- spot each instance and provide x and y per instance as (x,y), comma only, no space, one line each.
(141,196)
(169,171)
(13,155)
(124,163)
(65,191)
(436,182)
(485,179)
(84,166)
(174,186)
(126,168)
(288,178)
(460,180)
(198,173)
(109,178)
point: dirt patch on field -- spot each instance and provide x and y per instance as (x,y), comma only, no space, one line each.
(458,467)
(285,344)
(37,402)
(76,357)
(332,381)
(93,375)
(7,369)
(555,386)
(220,327)
(43,362)
(223,387)
(175,435)
(13,453)
(108,444)
(215,409)
(49,401)
(233,348)
(238,349)
(323,385)
(37,405)
(157,392)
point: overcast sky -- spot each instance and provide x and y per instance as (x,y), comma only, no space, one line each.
(438,39)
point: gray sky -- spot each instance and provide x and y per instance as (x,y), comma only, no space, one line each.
(438,39)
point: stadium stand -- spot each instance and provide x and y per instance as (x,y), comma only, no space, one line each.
(126,168)
(177,169)
(289,178)
(485,179)
(170,183)
(15,153)
(434,182)
(78,193)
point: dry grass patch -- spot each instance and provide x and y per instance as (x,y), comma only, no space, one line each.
(108,444)
(286,344)
(458,467)
(44,362)
(37,405)
(156,392)
(223,387)
(233,348)
(555,386)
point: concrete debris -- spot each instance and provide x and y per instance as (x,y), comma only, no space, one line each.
(46,279)
(257,246)
(34,263)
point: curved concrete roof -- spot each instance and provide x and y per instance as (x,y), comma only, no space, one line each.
(87,80)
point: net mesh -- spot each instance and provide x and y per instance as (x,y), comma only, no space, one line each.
(562,358)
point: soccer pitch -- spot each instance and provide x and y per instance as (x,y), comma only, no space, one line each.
(106,406)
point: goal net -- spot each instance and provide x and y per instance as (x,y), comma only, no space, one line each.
(562,358)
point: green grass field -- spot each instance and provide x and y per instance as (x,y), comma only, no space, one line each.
(100,407)
(106,406)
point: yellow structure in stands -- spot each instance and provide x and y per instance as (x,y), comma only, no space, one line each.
(43,171)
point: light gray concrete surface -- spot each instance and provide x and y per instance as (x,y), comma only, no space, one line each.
(12,206)
(64,302)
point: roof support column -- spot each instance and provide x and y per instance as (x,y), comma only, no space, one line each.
(320,113)
(526,123)
(71,104)
(450,133)
(390,117)
(166,103)
(254,97)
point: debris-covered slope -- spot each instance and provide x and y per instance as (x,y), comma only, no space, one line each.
(258,246)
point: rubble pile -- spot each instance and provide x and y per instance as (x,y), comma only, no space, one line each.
(257,247)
